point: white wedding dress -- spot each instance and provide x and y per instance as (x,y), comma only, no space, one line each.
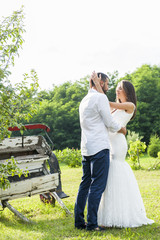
(121,203)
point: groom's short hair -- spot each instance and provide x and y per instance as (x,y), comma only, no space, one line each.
(104,77)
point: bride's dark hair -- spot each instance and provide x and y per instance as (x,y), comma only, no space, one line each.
(130,93)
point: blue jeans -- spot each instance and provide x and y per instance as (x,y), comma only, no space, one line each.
(95,173)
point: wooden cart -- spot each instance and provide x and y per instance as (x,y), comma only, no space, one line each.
(33,154)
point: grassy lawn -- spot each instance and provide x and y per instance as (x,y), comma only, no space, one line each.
(53,223)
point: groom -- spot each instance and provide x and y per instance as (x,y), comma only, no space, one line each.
(95,121)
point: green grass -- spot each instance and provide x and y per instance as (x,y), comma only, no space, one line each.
(53,223)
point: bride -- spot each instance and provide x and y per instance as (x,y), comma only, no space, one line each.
(121,203)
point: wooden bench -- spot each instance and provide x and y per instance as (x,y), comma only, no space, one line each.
(32,154)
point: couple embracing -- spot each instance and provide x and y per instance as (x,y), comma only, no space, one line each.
(108,183)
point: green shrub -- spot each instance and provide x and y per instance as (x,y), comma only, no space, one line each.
(71,157)
(154,146)
(135,152)
(132,137)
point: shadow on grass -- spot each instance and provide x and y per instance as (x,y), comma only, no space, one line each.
(63,228)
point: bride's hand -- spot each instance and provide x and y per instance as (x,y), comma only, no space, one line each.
(123,130)
(95,78)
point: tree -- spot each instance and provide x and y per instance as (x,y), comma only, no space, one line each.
(17,103)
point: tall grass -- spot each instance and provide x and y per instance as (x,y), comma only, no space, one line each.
(53,223)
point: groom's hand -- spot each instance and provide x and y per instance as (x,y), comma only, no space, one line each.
(123,130)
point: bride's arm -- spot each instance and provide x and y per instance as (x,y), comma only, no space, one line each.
(127,106)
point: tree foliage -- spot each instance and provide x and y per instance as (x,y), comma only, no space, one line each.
(11,40)
(17,103)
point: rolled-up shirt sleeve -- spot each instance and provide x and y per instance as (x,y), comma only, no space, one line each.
(104,109)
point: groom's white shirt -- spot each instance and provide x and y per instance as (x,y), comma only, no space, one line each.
(95,122)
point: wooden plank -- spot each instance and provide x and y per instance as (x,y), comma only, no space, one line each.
(54,194)
(15,142)
(30,187)
(19,151)
(34,157)
(32,165)
(29,159)
(33,145)
(18,214)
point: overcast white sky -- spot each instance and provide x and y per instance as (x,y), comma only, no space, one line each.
(68,39)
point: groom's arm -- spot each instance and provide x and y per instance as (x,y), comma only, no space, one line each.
(104,109)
